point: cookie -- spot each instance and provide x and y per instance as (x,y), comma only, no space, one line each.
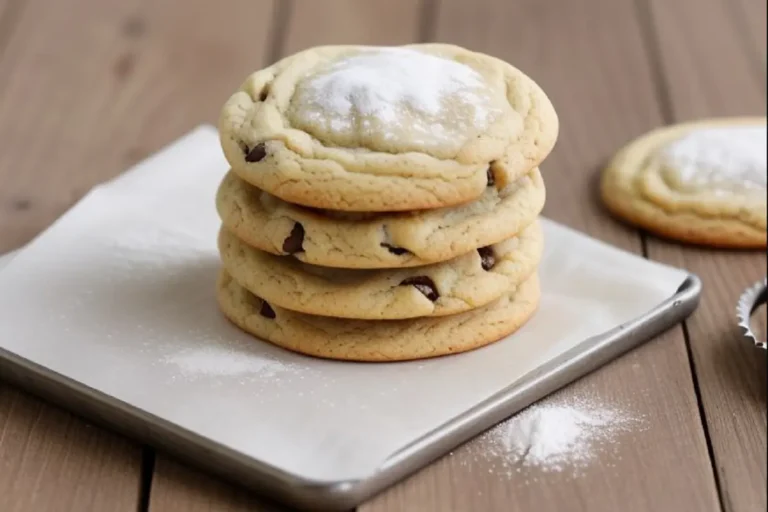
(372,240)
(367,340)
(361,128)
(467,282)
(701,182)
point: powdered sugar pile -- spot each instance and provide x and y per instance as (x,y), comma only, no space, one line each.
(555,436)
(722,159)
(394,89)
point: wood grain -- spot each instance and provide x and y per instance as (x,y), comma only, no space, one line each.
(88,87)
(705,77)
(9,11)
(599,77)
(52,460)
(351,22)
(177,488)
(704,74)
(751,14)
(81,101)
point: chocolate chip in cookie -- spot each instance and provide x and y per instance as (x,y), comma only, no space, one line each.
(398,251)
(266,310)
(256,154)
(487,258)
(490,177)
(295,241)
(425,285)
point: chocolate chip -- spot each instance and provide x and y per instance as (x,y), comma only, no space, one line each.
(266,310)
(295,241)
(399,251)
(425,285)
(256,154)
(490,177)
(487,258)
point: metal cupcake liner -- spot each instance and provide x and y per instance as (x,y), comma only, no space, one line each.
(752,298)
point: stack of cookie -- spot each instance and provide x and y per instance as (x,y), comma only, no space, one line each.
(382,203)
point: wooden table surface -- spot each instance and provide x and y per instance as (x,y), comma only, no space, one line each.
(88,87)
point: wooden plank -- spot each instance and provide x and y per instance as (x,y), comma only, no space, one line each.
(88,87)
(688,51)
(94,97)
(178,488)
(588,55)
(51,460)
(751,14)
(9,12)
(351,22)
(708,76)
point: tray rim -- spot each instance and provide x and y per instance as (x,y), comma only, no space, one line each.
(303,493)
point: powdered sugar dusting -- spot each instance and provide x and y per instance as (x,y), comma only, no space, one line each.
(722,160)
(560,436)
(221,361)
(397,91)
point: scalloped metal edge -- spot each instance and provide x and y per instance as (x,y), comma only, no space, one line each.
(746,306)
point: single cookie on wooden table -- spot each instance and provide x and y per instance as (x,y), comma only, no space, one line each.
(360,128)
(461,284)
(701,182)
(376,240)
(369,340)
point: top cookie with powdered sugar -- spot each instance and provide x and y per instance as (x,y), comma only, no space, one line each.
(359,128)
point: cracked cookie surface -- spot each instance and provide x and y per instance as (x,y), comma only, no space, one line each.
(365,340)
(366,240)
(700,182)
(360,128)
(461,284)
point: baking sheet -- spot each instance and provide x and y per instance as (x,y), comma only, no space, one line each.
(118,295)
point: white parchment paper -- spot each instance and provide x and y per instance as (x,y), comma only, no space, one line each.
(119,295)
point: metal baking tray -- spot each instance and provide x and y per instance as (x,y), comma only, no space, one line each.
(306,494)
